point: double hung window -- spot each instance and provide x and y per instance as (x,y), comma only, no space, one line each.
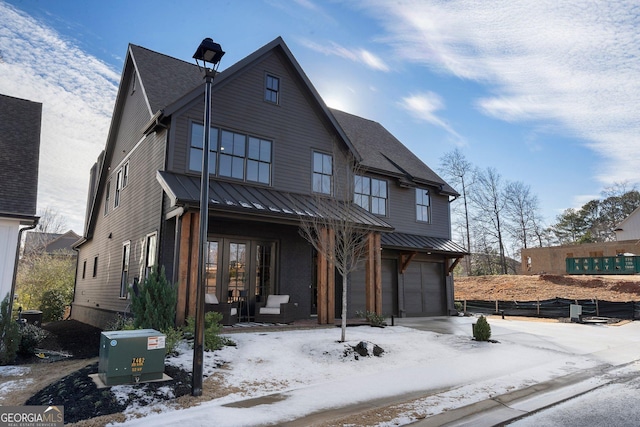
(422,205)
(322,173)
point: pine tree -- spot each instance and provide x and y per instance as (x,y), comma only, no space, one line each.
(154,306)
(9,334)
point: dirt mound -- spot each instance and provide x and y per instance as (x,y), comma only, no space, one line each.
(547,286)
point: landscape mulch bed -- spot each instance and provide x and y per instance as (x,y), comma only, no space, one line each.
(77,392)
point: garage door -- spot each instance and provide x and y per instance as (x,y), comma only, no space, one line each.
(389,289)
(424,289)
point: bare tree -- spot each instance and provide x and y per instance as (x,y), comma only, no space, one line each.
(51,222)
(333,231)
(455,167)
(521,211)
(489,201)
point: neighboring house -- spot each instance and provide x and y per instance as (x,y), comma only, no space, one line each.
(275,148)
(629,228)
(20,150)
(50,243)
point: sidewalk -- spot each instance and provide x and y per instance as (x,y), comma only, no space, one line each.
(517,404)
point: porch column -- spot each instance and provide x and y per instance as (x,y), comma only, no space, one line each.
(187,271)
(326,281)
(373,274)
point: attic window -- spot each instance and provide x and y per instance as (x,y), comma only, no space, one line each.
(272,89)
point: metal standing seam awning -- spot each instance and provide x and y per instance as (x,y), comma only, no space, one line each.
(437,245)
(236,198)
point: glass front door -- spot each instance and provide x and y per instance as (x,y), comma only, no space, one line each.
(247,273)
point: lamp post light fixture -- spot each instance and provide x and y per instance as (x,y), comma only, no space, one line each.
(210,53)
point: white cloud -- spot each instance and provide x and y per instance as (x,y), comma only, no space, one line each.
(424,106)
(361,56)
(575,65)
(77,92)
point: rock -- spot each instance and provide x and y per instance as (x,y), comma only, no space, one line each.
(367,349)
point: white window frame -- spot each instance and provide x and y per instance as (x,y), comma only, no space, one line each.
(124,276)
(151,252)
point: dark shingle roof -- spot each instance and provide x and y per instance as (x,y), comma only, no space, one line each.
(164,79)
(383,152)
(20,122)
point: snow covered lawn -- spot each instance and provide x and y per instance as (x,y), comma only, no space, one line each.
(309,372)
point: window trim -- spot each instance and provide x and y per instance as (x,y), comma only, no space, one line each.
(270,92)
(118,189)
(107,197)
(428,205)
(125,175)
(215,148)
(95,266)
(370,197)
(321,173)
(147,252)
(124,274)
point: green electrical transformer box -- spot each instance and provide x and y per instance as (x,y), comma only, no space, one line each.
(128,357)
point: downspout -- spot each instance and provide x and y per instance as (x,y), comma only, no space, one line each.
(15,264)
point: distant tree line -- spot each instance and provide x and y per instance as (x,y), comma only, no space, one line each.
(495,218)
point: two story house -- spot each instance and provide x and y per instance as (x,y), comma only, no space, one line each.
(275,147)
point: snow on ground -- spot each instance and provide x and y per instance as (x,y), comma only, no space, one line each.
(614,404)
(309,371)
(9,386)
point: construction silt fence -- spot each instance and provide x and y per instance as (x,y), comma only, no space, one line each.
(555,308)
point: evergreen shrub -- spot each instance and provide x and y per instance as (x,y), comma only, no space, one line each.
(31,337)
(482,330)
(52,305)
(9,335)
(212,327)
(154,305)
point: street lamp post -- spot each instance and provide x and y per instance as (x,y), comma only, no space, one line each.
(210,54)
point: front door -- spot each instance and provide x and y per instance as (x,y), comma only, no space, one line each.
(246,274)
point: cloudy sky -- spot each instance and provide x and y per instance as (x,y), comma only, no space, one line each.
(546,92)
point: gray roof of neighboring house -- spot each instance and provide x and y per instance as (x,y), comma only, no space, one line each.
(20,122)
(50,243)
(383,152)
(259,201)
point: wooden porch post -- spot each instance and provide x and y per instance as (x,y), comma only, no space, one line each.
(187,272)
(373,274)
(322,285)
(331,280)
(377,256)
(326,282)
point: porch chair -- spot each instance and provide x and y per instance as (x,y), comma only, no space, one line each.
(276,309)
(229,310)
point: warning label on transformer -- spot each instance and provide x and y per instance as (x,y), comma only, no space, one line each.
(154,343)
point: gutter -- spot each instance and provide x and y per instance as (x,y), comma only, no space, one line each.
(15,265)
